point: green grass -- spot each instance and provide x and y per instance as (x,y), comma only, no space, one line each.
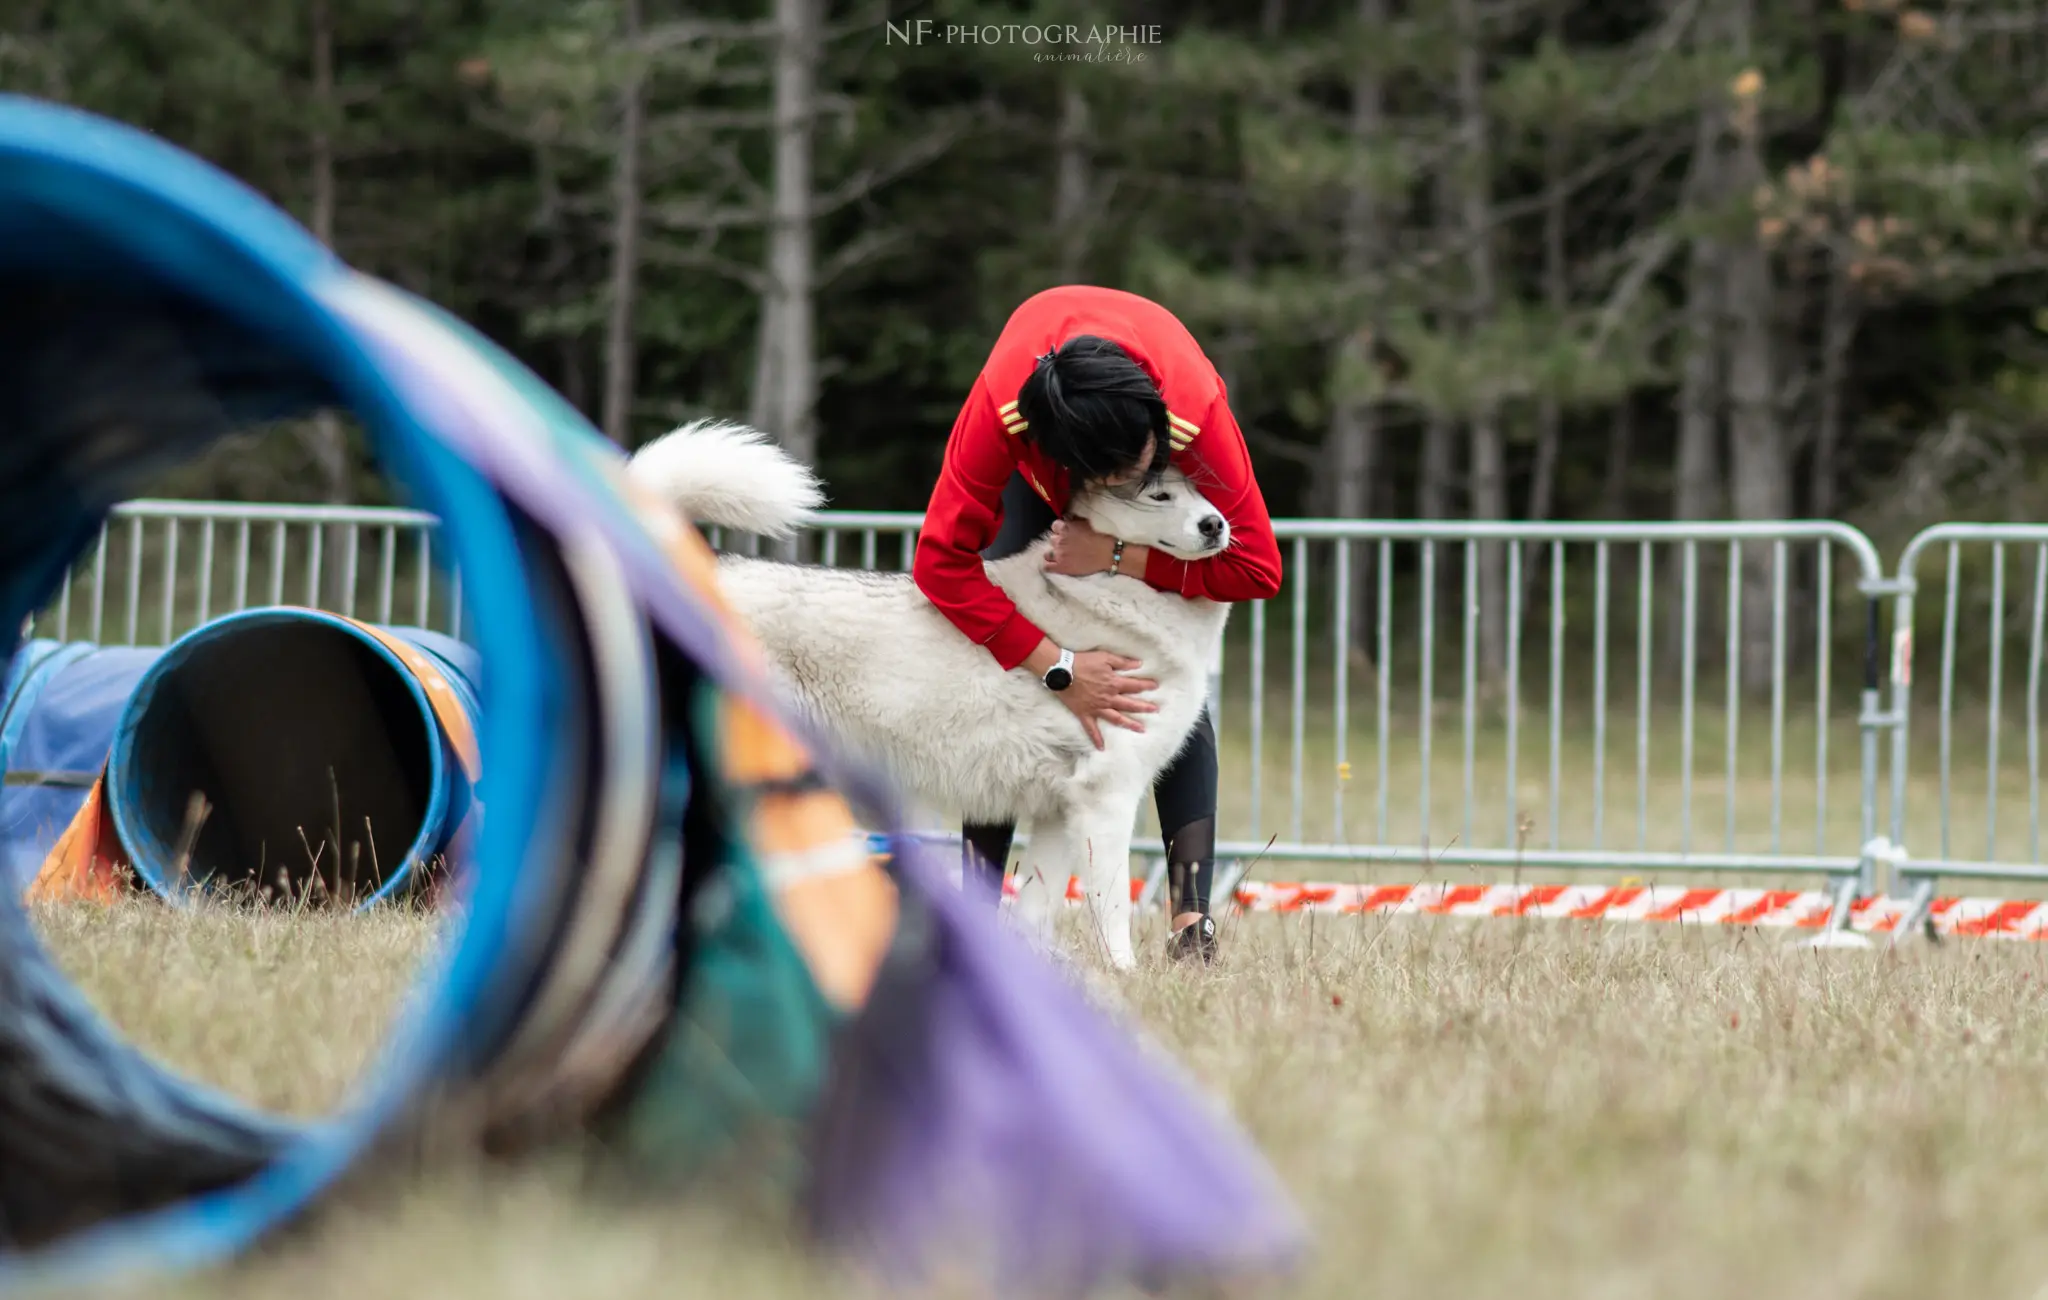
(1532,1109)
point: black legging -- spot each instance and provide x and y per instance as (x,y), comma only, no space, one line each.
(1184,794)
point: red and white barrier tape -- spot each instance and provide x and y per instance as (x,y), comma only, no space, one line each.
(1997,918)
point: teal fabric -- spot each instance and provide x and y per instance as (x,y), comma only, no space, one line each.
(730,1094)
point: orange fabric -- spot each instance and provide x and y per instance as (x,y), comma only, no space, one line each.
(836,902)
(758,748)
(456,724)
(441,697)
(839,911)
(87,863)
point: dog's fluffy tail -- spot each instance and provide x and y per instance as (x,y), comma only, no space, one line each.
(729,476)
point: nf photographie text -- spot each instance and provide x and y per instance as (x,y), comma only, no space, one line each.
(1088,40)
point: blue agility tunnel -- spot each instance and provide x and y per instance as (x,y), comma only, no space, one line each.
(59,708)
(329,760)
(293,753)
(667,931)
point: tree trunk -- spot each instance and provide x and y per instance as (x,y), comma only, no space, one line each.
(1543,472)
(1557,297)
(573,379)
(620,346)
(1488,467)
(786,374)
(1437,476)
(1488,472)
(1072,183)
(1839,322)
(1696,472)
(326,440)
(1434,483)
(1760,468)
(1354,432)
(1234,350)
(575,382)
(1439,467)
(1237,339)
(322,141)
(1621,439)
(1837,342)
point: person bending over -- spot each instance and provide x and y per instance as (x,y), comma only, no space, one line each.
(1088,384)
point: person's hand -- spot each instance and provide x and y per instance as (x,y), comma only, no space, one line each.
(1078,550)
(1103,691)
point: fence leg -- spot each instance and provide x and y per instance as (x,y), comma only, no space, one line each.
(1919,914)
(1837,932)
(1229,875)
(1155,883)
(1870,723)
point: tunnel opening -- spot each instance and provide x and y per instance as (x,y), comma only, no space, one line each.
(282,757)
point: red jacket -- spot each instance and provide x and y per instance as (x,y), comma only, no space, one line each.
(966,506)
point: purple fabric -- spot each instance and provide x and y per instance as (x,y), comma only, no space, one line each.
(981,1111)
(984,1113)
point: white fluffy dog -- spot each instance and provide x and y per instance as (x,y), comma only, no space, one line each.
(877,664)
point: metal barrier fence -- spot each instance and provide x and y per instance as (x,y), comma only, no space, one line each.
(1403,606)
(1654,699)
(1983,616)
(161,568)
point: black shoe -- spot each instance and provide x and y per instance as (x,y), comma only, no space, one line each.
(1196,940)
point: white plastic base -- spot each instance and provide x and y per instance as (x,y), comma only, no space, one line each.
(1839,939)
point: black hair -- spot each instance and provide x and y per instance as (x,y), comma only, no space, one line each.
(1091,408)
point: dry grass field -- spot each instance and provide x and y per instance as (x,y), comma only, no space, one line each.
(1495,1109)
(1465,1110)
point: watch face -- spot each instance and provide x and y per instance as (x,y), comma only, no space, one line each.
(1058,679)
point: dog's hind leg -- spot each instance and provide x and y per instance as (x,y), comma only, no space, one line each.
(1102,833)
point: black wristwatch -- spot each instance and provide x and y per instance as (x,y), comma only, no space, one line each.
(1061,675)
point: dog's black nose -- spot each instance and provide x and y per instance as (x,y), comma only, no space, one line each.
(1211,527)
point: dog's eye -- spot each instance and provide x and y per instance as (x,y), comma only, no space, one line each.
(1162,496)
